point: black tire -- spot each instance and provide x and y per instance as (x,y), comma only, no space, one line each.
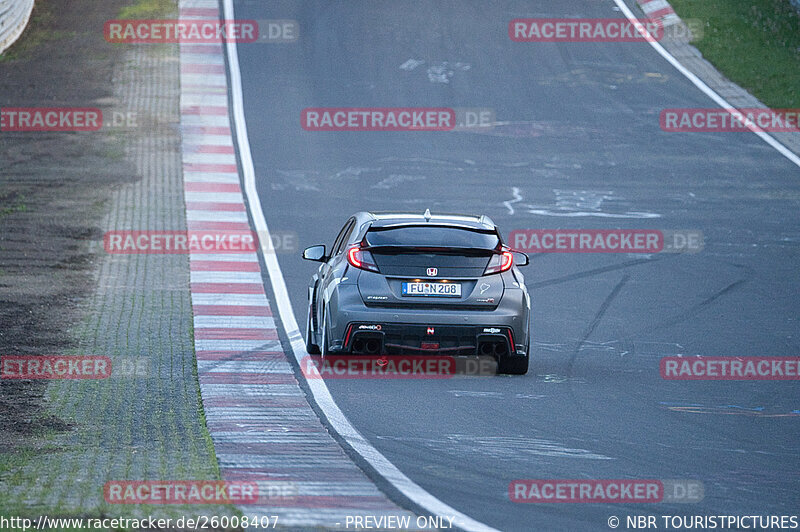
(311,347)
(513,365)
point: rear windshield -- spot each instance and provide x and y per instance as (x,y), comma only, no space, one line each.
(432,236)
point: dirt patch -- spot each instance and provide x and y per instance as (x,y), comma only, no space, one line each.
(53,194)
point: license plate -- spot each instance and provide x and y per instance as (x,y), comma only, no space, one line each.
(432,289)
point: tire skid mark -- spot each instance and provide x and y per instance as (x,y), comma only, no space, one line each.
(596,320)
(592,273)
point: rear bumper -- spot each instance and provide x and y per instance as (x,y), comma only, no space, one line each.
(414,339)
(409,331)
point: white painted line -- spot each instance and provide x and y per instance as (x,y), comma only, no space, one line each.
(205,80)
(199,3)
(208,86)
(322,396)
(209,158)
(259,413)
(296,417)
(670,19)
(245,366)
(298,437)
(204,120)
(226,257)
(205,95)
(236,345)
(198,18)
(225,277)
(254,322)
(210,177)
(210,140)
(226,391)
(216,216)
(365,489)
(655,5)
(204,99)
(191,51)
(210,58)
(222,197)
(203,91)
(229,299)
(700,84)
(279,460)
(189,45)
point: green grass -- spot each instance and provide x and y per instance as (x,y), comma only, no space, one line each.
(150,9)
(39,30)
(147,9)
(755,43)
(11,203)
(12,461)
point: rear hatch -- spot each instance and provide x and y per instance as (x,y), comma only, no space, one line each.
(431,266)
(415,263)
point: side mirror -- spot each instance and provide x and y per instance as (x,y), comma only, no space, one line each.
(315,253)
(520,258)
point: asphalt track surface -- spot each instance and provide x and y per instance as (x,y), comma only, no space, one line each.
(581,144)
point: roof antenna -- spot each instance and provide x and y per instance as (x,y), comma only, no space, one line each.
(427,215)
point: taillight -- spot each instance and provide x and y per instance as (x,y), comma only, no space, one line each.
(362,259)
(500,262)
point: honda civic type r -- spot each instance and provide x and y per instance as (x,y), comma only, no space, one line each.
(419,284)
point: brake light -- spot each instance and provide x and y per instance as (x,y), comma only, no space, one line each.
(500,262)
(362,259)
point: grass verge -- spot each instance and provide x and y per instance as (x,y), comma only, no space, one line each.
(39,30)
(146,9)
(755,43)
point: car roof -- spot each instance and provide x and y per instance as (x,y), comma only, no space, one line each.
(468,221)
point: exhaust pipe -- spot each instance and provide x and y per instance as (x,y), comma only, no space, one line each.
(493,347)
(364,344)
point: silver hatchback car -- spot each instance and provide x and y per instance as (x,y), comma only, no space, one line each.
(420,284)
